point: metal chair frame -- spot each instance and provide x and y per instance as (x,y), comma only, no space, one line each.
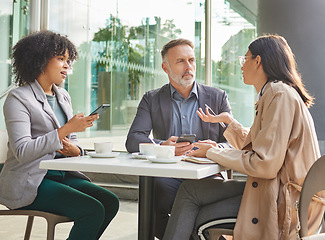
(51,219)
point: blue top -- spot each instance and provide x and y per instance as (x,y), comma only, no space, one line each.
(59,114)
(185,119)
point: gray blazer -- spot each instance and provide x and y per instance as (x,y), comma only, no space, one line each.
(155,113)
(32,131)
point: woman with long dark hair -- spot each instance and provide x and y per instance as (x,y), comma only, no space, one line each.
(275,154)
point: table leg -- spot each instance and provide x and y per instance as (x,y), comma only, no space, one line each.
(145,217)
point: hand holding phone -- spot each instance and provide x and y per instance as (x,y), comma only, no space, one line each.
(100,109)
(186,138)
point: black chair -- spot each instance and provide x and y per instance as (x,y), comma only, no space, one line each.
(216,228)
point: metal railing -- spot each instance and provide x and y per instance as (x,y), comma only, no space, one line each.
(5,92)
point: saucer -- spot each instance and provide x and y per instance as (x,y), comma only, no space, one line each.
(139,155)
(154,159)
(103,155)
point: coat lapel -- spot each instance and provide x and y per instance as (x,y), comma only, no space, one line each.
(63,103)
(41,97)
(204,98)
(166,109)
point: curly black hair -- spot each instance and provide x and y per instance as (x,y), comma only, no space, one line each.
(32,54)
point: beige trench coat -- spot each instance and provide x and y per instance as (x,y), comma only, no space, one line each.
(275,154)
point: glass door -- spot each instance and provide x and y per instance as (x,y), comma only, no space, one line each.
(14,24)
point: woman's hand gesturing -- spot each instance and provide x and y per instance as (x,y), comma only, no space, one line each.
(208,117)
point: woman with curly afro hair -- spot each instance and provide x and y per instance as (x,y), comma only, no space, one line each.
(41,125)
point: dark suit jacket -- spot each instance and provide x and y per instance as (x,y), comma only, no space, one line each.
(155,113)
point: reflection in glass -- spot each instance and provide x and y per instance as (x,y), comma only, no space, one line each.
(14,24)
(119,44)
(231,36)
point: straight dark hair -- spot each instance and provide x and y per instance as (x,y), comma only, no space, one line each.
(279,63)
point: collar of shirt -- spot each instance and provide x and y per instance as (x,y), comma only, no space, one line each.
(259,95)
(193,91)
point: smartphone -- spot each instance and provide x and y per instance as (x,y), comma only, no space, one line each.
(100,109)
(186,138)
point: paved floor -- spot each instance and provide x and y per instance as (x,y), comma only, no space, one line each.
(123,226)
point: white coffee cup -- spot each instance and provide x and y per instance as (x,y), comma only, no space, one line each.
(103,147)
(146,149)
(164,151)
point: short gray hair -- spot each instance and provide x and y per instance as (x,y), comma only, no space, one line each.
(173,43)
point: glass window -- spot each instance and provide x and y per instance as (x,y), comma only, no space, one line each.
(231,35)
(5,26)
(119,43)
(14,24)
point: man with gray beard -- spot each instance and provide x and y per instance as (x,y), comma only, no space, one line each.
(171,111)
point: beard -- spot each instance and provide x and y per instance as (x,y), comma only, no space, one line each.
(183,80)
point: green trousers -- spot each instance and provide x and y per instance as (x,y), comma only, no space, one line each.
(90,207)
